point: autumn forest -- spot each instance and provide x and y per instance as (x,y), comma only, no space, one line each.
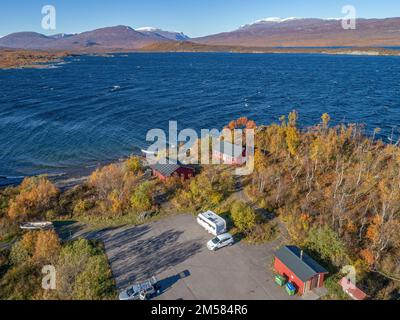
(333,189)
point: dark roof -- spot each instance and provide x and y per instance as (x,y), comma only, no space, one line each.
(166,170)
(305,268)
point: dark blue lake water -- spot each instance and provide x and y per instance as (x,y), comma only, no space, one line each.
(96,109)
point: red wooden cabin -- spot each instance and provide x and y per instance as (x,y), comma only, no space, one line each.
(168,170)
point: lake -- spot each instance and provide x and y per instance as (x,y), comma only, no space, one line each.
(95,109)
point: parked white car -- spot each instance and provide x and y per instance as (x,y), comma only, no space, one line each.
(220,242)
(143,291)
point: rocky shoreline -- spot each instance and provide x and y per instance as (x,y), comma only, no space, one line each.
(20,59)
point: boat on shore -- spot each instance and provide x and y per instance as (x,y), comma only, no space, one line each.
(147,152)
(32,226)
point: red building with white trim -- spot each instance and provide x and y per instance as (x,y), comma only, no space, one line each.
(300,269)
(352,290)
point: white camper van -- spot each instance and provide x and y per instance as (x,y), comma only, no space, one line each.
(212,222)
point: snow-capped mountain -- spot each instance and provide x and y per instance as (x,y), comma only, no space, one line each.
(147,29)
(268,32)
(171,35)
(275,19)
(306,32)
(269,20)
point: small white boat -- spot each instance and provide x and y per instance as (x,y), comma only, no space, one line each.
(36,226)
(147,152)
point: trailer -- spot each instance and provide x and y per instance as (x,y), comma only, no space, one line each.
(212,222)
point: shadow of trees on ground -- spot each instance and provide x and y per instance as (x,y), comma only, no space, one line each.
(135,257)
(265,214)
(67,229)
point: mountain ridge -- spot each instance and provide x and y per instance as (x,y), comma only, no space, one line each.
(309,32)
(268,32)
(107,38)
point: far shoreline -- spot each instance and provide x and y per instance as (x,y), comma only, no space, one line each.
(14,59)
(200,48)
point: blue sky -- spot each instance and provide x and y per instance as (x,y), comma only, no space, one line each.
(193,17)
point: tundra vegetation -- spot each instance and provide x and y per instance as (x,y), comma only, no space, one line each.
(334,189)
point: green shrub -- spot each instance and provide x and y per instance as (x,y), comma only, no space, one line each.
(243,216)
(328,245)
(21,282)
(83,272)
(263,233)
(83,206)
(19,254)
(142,197)
(334,289)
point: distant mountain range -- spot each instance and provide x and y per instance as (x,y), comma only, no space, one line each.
(293,32)
(112,38)
(270,32)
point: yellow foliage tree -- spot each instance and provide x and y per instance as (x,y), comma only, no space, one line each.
(47,247)
(134,165)
(293,117)
(325,120)
(114,184)
(292,140)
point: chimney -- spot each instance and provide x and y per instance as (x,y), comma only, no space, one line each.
(301,254)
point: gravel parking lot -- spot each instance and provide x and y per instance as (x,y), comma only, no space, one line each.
(174,249)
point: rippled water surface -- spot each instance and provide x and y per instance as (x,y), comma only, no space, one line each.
(96,109)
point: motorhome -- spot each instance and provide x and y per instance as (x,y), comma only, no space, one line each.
(212,222)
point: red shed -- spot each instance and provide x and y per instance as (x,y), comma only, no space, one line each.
(352,290)
(299,269)
(164,171)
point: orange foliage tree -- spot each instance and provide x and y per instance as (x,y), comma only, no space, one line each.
(36,196)
(242,123)
(114,185)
